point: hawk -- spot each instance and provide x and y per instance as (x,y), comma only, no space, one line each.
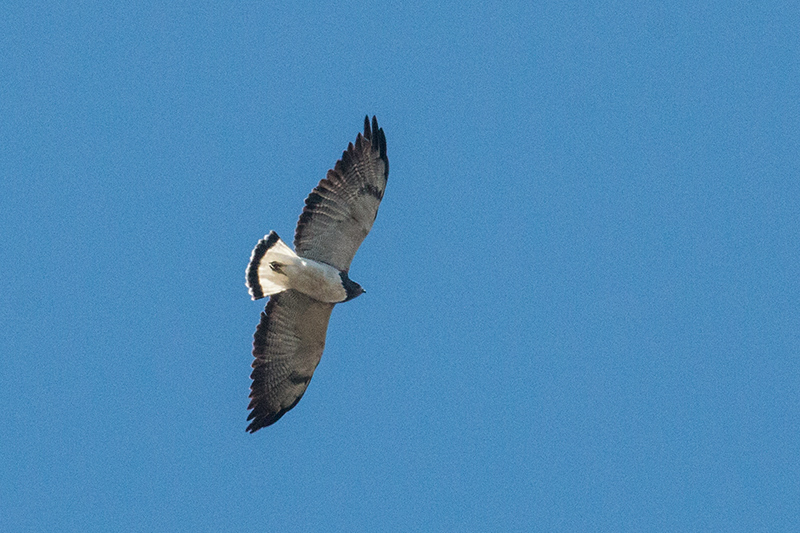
(305,284)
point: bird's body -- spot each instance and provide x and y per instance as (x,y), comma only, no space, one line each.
(305,283)
(274,268)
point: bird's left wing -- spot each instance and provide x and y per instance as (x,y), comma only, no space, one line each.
(287,345)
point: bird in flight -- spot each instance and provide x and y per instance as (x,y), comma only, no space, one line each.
(305,284)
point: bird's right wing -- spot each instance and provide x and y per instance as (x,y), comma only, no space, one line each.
(340,211)
(287,347)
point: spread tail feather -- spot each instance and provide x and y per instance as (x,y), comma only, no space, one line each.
(264,274)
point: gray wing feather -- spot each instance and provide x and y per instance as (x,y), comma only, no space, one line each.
(340,211)
(287,346)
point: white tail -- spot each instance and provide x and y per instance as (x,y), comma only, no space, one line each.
(264,273)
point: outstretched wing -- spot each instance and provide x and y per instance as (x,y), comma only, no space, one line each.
(340,211)
(287,345)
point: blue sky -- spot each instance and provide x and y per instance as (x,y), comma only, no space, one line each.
(582,309)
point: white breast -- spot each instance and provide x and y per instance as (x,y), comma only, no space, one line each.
(318,280)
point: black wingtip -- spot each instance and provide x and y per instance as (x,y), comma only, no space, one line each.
(377,138)
(262,418)
(251,280)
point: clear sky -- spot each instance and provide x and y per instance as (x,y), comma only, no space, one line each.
(583,295)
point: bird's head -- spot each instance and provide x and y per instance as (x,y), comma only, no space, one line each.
(352,288)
